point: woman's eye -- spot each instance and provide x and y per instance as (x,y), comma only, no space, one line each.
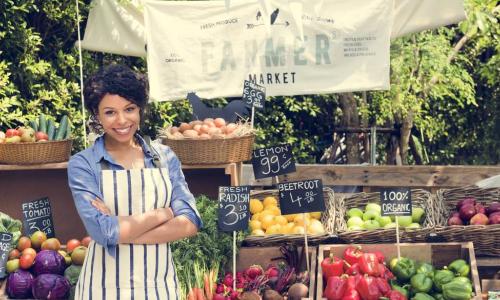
(130,109)
(109,112)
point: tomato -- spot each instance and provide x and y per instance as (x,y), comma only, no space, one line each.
(29,251)
(72,244)
(40,135)
(23,243)
(14,253)
(86,241)
(12,132)
(26,261)
(78,255)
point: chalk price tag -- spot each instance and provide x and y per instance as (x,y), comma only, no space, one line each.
(234,205)
(5,247)
(253,94)
(301,196)
(396,202)
(273,161)
(37,216)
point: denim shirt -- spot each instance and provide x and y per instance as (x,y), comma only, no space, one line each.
(84,173)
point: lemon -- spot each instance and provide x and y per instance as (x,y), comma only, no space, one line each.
(290,218)
(266,213)
(298,230)
(258,232)
(270,201)
(256,217)
(316,215)
(273,229)
(315,227)
(280,220)
(274,209)
(288,228)
(254,224)
(267,221)
(256,206)
(300,221)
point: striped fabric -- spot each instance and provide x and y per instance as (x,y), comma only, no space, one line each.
(138,271)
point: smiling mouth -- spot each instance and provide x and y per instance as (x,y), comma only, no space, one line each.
(123,131)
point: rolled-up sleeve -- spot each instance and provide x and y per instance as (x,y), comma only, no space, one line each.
(182,201)
(102,228)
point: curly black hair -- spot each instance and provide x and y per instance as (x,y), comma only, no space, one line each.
(115,80)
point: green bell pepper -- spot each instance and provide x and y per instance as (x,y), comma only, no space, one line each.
(422,296)
(456,290)
(400,289)
(404,268)
(459,267)
(462,279)
(438,296)
(442,277)
(420,283)
(425,268)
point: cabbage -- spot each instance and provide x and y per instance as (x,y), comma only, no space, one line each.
(19,284)
(50,286)
(72,273)
(49,262)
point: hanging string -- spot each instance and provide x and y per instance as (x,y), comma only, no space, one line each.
(81,74)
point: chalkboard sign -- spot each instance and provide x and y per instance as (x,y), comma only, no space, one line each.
(301,196)
(396,202)
(253,94)
(37,216)
(234,202)
(5,246)
(273,161)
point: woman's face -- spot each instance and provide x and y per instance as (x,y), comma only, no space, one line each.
(119,117)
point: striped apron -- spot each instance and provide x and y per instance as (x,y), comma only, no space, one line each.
(137,271)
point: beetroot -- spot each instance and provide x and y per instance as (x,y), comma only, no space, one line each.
(455,221)
(253,271)
(228,280)
(493,207)
(272,271)
(480,209)
(495,218)
(467,211)
(465,201)
(455,214)
(219,297)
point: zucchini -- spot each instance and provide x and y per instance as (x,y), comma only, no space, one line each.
(68,131)
(42,123)
(51,129)
(61,131)
(34,125)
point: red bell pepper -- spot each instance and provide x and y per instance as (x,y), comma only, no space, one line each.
(351,282)
(380,256)
(351,294)
(368,289)
(332,266)
(384,272)
(352,254)
(368,264)
(383,286)
(396,295)
(353,270)
(335,288)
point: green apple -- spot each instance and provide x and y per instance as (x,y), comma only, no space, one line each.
(373,206)
(355,228)
(416,214)
(371,225)
(393,218)
(371,215)
(354,221)
(404,221)
(12,265)
(354,212)
(384,220)
(413,226)
(390,225)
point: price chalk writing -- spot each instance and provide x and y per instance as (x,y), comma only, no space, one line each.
(273,161)
(396,202)
(234,204)
(301,196)
(37,216)
(5,247)
(253,94)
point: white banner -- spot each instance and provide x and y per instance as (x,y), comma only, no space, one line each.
(204,47)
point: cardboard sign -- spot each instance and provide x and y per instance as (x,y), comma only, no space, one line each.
(37,215)
(5,246)
(253,94)
(396,202)
(234,205)
(273,161)
(301,196)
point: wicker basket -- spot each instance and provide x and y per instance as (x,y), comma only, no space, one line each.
(212,151)
(35,153)
(486,238)
(327,219)
(420,198)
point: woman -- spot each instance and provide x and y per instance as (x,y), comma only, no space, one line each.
(132,197)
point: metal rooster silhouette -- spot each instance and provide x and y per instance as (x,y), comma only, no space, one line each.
(230,112)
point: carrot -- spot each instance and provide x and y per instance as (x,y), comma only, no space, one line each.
(198,292)
(191,295)
(207,285)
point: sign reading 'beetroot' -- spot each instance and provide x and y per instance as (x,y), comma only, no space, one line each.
(301,196)
(233,212)
(37,216)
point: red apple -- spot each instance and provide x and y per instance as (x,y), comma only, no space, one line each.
(455,220)
(467,211)
(480,208)
(493,207)
(455,214)
(495,218)
(40,135)
(12,132)
(479,219)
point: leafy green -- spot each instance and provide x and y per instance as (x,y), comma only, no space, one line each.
(12,226)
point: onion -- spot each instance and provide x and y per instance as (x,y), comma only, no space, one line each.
(467,212)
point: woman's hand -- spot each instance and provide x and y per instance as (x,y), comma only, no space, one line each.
(99,204)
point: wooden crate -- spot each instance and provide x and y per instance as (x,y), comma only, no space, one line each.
(263,256)
(439,254)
